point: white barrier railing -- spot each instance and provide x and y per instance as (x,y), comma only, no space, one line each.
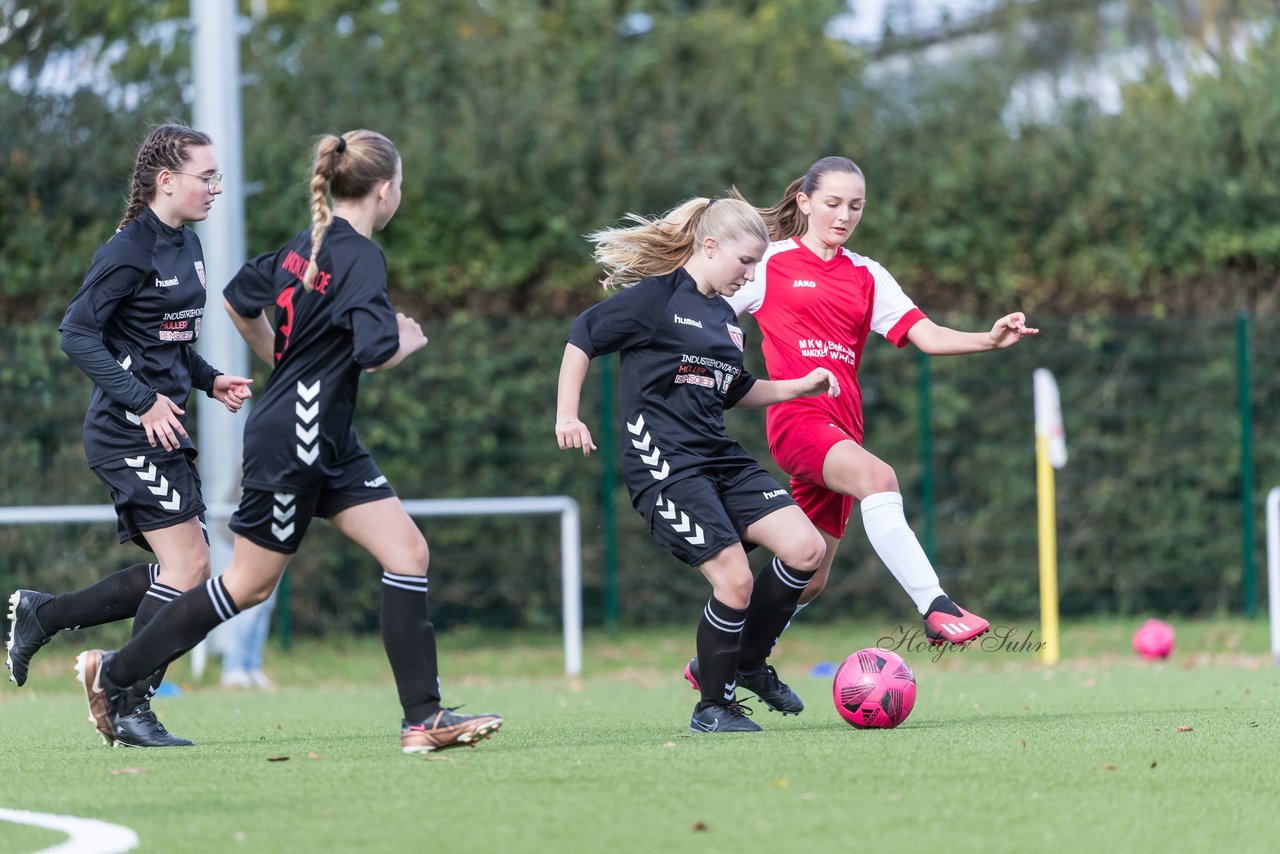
(560,505)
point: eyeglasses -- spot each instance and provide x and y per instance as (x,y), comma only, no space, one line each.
(214,181)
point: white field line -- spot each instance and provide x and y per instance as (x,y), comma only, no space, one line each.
(88,836)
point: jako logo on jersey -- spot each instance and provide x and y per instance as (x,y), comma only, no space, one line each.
(735,335)
(377,481)
(685,321)
(774,493)
(200,273)
(804,283)
(166,283)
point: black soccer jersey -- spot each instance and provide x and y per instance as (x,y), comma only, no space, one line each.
(681,367)
(143,298)
(299,431)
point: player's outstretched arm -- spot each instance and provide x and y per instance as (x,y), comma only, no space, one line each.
(570,431)
(943,341)
(768,392)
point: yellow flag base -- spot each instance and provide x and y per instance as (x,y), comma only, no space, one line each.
(1049,652)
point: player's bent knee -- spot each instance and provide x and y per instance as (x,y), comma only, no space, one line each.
(805,554)
(190,574)
(882,479)
(412,558)
(735,596)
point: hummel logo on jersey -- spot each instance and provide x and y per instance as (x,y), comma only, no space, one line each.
(686,321)
(804,283)
(774,493)
(643,444)
(166,283)
(377,481)
(307,427)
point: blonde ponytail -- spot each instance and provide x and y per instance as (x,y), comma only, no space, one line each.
(655,247)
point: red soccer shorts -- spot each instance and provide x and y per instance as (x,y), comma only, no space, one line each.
(799,439)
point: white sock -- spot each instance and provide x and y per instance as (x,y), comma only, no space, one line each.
(898,547)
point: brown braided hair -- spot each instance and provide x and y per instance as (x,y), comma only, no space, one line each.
(345,167)
(164,148)
(785,218)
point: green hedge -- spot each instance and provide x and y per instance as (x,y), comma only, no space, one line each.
(1149,511)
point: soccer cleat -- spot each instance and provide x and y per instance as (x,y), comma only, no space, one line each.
(25,634)
(947,622)
(141,728)
(691,674)
(732,717)
(763,682)
(445,729)
(99,691)
(776,694)
(122,715)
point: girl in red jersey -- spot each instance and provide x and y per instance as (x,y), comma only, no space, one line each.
(816,304)
(302,459)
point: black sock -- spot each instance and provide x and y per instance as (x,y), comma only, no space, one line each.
(409,639)
(175,628)
(944,604)
(158,595)
(115,597)
(774,598)
(719,636)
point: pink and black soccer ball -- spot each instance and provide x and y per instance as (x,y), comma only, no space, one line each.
(1153,639)
(874,689)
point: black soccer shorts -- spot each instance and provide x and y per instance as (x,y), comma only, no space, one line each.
(700,516)
(152,491)
(278,519)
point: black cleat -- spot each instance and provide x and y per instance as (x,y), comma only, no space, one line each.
(141,728)
(25,634)
(775,693)
(764,683)
(732,717)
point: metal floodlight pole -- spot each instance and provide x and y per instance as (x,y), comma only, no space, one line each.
(215,65)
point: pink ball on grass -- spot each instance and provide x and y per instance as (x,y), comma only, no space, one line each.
(1153,639)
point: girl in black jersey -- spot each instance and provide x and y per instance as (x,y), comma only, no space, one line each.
(328,286)
(132,328)
(701,494)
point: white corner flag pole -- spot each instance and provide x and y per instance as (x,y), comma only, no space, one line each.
(1051,453)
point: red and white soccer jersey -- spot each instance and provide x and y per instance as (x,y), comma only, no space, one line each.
(814,313)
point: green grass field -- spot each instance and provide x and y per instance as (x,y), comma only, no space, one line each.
(1000,753)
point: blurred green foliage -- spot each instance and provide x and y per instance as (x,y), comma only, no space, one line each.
(524,125)
(1132,237)
(1149,507)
